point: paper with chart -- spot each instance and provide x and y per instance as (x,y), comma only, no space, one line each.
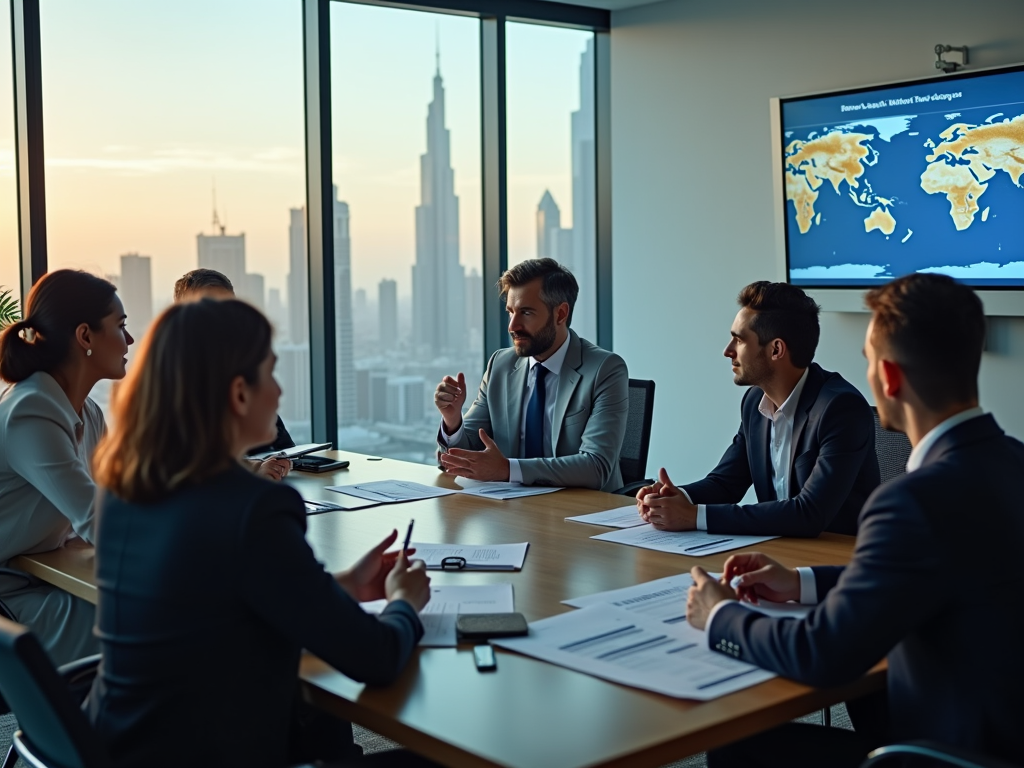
(447,602)
(391,491)
(623,517)
(502,490)
(692,543)
(665,600)
(636,650)
(478,557)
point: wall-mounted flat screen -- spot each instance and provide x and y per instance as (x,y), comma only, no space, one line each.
(924,176)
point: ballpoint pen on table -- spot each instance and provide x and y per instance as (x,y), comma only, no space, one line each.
(708,544)
(408,536)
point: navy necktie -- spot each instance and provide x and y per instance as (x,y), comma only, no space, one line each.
(535,417)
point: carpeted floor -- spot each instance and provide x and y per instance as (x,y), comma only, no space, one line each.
(372,742)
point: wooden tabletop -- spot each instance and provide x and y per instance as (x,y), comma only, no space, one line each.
(528,713)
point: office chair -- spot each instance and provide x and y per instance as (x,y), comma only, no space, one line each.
(892,448)
(53,730)
(637,440)
(930,753)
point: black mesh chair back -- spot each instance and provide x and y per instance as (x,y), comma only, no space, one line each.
(637,442)
(892,449)
(52,725)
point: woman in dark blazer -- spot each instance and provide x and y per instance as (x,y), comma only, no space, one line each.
(208,590)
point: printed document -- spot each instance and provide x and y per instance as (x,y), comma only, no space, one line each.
(692,543)
(623,517)
(636,650)
(502,490)
(447,602)
(477,557)
(391,491)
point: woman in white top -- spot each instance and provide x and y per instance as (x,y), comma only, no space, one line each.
(72,336)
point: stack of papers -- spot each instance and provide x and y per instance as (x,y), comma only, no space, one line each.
(623,517)
(692,543)
(503,490)
(636,650)
(391,491)
(446,603)
(478,557)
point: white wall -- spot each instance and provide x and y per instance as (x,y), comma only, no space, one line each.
(692,184)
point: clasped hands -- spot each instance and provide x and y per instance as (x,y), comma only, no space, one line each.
(752,577)
(666,507)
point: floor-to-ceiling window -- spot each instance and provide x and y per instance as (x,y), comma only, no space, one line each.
(10,273)
(405,91)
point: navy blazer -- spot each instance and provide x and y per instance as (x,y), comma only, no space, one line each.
(206,600)
(933,584)
(834,467)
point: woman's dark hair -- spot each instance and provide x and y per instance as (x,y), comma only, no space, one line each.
(57,304)
(170,426)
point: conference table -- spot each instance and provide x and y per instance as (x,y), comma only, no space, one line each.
(528,713)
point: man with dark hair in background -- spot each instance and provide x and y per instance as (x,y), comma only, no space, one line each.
(550,411)
(211,284)
(806,440)
(950,637)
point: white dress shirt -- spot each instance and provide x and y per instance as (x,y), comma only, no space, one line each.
(554,367)
(781,448)
(46,489)
(808,586)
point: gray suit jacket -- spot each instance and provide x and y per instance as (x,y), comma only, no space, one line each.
(587,427)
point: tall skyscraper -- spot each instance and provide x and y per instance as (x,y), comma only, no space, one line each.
(136,289)
(553,242)
(584,199)
(346,368)
(387,307)
(226,254)
(253,290)
(437,277)
(298,317)
(474,311)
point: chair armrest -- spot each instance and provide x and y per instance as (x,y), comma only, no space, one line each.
(933,751)
(79,675)
(632,488)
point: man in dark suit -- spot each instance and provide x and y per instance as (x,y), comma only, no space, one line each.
(566,431)
(951,636)
(806,440)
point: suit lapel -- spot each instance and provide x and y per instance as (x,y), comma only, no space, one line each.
(568,378)
(514,403)
(764,444)
(812,387)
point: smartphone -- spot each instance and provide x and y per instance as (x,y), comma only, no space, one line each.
(483,655)
(317,464)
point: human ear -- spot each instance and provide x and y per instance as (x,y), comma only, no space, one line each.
(238,397)
(891,376)
(83,335)
(562,313)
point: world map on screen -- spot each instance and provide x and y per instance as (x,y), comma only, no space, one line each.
(937,189)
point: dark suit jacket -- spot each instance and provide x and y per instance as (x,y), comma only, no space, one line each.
(934,584)
(834,467)
(591,406)
(282,441)
(205,601)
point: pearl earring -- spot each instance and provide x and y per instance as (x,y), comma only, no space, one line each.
(88,353)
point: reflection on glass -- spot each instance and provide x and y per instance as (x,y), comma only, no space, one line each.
(10,273)
(551,155)
(183,149)
(407,222)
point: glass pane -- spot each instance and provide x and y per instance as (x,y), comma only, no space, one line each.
(551,156)
(175,139)
(10,272)
(407,222)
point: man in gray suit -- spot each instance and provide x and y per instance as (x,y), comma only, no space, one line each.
(568,429)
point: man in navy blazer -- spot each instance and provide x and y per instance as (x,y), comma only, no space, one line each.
(933,581)
(806,440)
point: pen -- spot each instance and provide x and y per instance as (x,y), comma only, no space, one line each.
(408,536)
(708,544)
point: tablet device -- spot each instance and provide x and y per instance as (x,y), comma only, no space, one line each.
(294,452)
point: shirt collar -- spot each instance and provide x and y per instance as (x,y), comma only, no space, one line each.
(767,408)
(920,451)
(554,363)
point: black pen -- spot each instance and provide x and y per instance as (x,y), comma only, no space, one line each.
(708,544)
(408,536)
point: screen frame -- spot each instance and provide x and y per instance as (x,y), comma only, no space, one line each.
(1006,301)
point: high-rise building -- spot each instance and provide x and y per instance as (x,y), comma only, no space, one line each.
(226,254)
(298,318)
(359,302)
(277,313)
(345,361)
(584,199)
(474,311)
(253,290)
(292,373)
(553,242)
(405,395)
(387,308)
(437,277)
(136,289)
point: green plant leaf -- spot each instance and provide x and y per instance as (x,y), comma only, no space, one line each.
(10,309)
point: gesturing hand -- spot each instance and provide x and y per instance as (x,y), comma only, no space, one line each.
(408,581)
(366,579)
(703,596)
(449,397)
(762,577)
(488,464)
(668,509)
